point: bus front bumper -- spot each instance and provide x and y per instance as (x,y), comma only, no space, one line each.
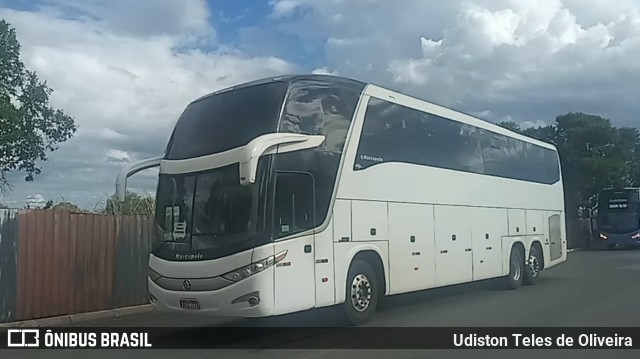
(249,298)
(620,240)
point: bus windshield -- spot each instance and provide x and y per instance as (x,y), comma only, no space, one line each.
(210,212)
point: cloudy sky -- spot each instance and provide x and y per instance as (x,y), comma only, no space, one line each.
(125,69)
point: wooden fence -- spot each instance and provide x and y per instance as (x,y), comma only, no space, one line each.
(54,262)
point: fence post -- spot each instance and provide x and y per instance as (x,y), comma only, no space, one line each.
(8,264)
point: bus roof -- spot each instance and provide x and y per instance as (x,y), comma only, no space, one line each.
(361,86)
(344,81)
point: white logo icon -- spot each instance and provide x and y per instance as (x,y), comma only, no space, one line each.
(180,229)
(20,338)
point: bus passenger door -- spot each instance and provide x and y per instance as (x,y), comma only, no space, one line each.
(555,236)
(294,216)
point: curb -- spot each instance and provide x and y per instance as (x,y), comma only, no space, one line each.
(79,318)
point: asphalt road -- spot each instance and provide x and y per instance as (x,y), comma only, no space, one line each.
(592,289)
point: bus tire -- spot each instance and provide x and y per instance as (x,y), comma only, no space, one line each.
(516,268)
(534,266)
(361,293)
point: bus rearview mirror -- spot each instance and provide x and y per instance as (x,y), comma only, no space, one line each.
(130,170)
(269,144)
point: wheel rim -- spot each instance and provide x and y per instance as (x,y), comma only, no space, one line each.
(360,292)
(534,265)
(516,269)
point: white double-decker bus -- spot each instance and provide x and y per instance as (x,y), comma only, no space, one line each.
(299,192)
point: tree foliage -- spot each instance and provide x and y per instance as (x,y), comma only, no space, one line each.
(64,205)
(29,127)
(593,155)
(134,204)
(68,206)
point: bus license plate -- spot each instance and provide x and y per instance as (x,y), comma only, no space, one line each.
(189,304)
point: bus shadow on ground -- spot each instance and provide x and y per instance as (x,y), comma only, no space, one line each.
(334,316)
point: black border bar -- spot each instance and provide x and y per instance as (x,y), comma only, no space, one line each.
(324,338)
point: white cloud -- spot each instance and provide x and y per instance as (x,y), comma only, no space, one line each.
(324,71)
(125,70)
(526,59)
(140,18)
(125,86)
(285,8)
(530,124)
(117,156)
(35,201)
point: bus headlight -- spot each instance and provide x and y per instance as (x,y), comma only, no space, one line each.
(603,236)
(636,236)
(253,268)
(154,275)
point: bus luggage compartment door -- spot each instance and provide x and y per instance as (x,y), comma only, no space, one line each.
(411,247)
(489,225)
(454,257)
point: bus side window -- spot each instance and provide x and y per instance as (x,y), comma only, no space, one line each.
(294,204)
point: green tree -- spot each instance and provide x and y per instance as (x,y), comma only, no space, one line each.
(593,154)
(133,204)
(29,127)
(511,125)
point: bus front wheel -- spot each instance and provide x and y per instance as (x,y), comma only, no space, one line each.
(516,268)
(361,293)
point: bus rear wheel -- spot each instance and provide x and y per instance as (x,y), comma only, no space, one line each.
(361,293)
(516,268)
(533,268)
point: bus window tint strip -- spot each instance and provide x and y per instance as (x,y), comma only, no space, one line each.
(395,133)
(225,121)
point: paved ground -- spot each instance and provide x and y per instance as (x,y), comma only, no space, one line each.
(595,288)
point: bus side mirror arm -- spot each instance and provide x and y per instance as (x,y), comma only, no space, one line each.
(130,170)
(269,144)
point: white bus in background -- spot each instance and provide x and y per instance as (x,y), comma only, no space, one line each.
(299,192)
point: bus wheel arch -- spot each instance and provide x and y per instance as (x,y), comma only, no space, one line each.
(365,286)
(534,264)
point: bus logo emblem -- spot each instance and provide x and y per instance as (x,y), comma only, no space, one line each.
(179,229)
(186,284)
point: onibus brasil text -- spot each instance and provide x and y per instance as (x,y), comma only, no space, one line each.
(95,340)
